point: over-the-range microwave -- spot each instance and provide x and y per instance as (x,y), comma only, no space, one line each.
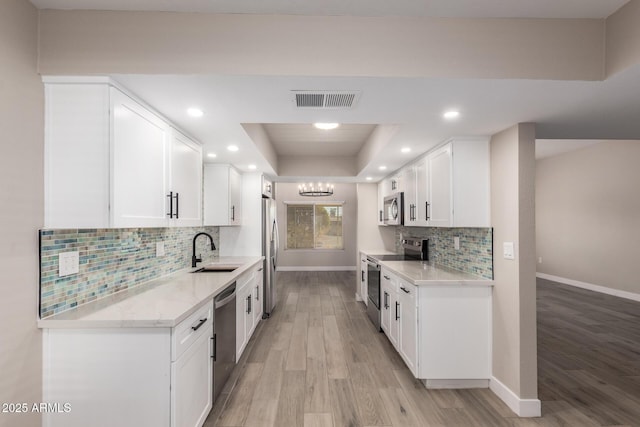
(394,209)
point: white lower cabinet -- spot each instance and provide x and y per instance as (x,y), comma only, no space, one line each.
(248,307)
(130,377)
(363,279)
(443,333)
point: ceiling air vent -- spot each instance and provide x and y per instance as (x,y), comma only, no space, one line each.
(325,99)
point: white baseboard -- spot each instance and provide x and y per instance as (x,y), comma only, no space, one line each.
(590,287)
(318,268)
(454,384)
(358,297)
(525,408)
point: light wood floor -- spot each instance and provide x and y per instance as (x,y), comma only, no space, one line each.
(318,361)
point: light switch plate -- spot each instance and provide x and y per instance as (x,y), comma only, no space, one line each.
(68,263)
(456,242)
(508,251)
(159,249)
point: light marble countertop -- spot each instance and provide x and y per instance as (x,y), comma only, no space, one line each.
(430,274)
(422,273)
(160,303)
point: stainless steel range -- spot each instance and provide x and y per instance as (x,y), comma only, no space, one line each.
(414,250)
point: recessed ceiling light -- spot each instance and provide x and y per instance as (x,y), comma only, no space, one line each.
(382,168)
(232,148)
(369,178)
(451,114)
(326,126)
(195,112)
(212,155)
(252,167)
(406,149)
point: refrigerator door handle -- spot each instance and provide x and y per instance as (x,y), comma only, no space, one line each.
(276,237)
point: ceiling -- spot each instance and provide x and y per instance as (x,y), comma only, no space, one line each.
(561,109)
(554,147)
(306,140)
(424,8)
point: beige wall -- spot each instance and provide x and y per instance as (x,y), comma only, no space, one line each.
(371,236)
(160,42)
(316,166)
(623,38)
(288,192)
(21,190)
(513,220)
(588,215)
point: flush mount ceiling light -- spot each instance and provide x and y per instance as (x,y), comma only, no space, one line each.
(326,126)
(252,167)
(406,149)
(315,190)
(195,112)
(368,178)
(451,114)
(382,168)
(232,148)
(212,155)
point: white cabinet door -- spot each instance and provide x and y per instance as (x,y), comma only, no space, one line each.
(407,299)
(222,195)
(408,180)
(258,303)
(385,305)
(186,180)
(421,193)
(139,148)
(439,208)
(381,194)
(235,197)
(191,389)
(363,279)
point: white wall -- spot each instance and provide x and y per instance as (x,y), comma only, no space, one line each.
(588,215)
(22,194)
(309,259)
(514,292)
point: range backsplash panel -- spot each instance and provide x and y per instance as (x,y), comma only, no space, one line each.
(475,255)
(113,260)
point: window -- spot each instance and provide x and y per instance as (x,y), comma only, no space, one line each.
(314,226)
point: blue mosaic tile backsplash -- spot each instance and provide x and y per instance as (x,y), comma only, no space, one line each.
(112,260)
(475,255)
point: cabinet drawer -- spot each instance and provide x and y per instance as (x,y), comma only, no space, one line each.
(244,280)
(190,329)
(410,291)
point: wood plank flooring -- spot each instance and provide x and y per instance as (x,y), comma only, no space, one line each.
(319,362)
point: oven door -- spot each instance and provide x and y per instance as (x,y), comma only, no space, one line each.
(373,283)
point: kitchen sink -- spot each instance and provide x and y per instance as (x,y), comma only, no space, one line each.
(216,269)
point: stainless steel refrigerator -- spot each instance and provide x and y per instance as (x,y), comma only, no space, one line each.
(270,246)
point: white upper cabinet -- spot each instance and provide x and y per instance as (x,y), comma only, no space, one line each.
(139,147)
(186,180)
(110,161)
(223,195)
(439,207)
(448,187)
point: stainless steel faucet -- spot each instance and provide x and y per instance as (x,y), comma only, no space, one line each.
(194,259)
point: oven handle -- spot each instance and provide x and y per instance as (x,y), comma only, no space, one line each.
(373,264)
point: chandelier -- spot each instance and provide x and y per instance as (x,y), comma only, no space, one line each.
(315,190)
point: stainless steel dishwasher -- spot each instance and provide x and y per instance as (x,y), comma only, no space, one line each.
(224,338)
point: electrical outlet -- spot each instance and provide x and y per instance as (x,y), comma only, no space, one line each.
(508,250)
(68,263)
(456,243)
(159,249)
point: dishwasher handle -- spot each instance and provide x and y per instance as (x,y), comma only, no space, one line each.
(225,297)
